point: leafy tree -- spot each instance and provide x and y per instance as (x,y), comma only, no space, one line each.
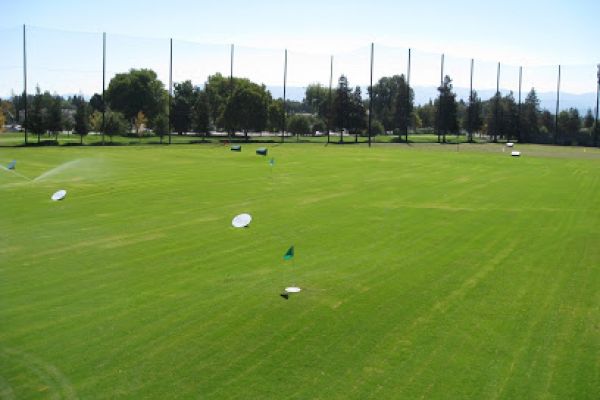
(510,116)
(357,113)
(447,116)
(115,124)
(276,115)
(588,120)
(96,103)
(377,128)
(403,107)
(246,109)
(183,102)
(385,99)
(319,126)
(299,124)
(218,89)
(54,121)
(474,120)
(96,121)
(201,113)
(2,122)
(427,114)
(341,106)
(135,91)
(140,122)
(316,99)
(161,126)
(36,121)
(81,119)
(7,109)
(547,121)
(569,124)
(530,116)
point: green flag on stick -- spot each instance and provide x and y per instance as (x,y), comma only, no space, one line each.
(289,254)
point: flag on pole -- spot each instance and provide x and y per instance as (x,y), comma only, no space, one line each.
(289,254)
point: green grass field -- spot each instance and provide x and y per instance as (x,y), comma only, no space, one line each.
(426,273)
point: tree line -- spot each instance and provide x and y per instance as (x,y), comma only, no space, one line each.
(136,103)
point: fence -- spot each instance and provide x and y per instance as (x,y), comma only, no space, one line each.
(71,63)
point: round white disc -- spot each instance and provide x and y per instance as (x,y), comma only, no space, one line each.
(292,289)
(59,195)
(241,221)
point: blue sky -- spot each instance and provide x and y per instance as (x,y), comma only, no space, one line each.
(529,33)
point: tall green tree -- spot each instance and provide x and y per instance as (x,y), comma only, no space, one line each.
(276,115)
(218,90)
(201,113)
(247,108)
(115,124)
(447,115)
(342,105)
(54,116)
(183,102)
(161,126)
(82,126)
(474,120)
(36,120)
(357,121)
(299,124)
(588,120)
(530,116)
(316,98)
(403,107)
(135,91)
(96,103)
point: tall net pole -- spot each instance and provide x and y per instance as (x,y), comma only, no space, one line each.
(407,98)
(284,95)
(170,84)
(103,84)
(25,81)
(371,94)
(329,111)
(557,107)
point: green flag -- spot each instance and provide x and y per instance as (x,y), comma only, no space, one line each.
(289,254)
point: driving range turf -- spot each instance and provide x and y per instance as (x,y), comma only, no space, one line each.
(426,273)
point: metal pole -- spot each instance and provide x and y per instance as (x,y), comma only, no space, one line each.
(557,107)
(440,101)
(330,105)
(470,116)
(407,97)
(596,127)
(25,80)
(284,95)
(519,109)
(170,84)
(497,104)
(103,83)
(371,94)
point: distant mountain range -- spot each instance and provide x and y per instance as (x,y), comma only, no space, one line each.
(423,94)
